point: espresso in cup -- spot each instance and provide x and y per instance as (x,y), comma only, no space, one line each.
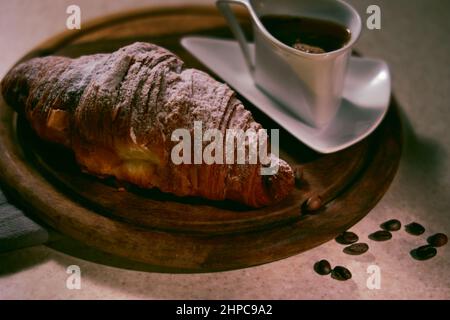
(309,35)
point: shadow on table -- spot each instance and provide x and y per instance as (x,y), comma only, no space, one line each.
(79,250)
(423,162)
(136,279)
(19,260)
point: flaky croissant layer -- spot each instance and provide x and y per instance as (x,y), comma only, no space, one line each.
(117,113)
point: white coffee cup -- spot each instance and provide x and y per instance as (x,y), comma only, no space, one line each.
(308,85)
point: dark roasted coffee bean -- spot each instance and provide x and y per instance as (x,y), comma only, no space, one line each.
(415,229)
(423,252)
(391,225)
(322,267)
(314,203)
(347,238)
(438,240)
(356,249)
(341,273)
(381,235)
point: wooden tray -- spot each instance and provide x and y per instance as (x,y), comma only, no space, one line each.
(189,234)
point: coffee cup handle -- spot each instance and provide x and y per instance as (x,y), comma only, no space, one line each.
(227,12)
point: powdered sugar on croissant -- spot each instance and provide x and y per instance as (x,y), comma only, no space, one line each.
(117,113)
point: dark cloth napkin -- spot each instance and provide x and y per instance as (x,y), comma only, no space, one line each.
(16,229)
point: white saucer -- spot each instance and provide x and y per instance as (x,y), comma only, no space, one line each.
(367,91)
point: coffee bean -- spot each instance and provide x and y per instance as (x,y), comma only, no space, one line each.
(381,235)
(356,249)
(438,240)
(391,225)
(347,238)
(314,203)
(341,273)
(423,252)
(322,267)
(415,229)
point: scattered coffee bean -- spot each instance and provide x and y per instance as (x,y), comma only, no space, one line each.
(322,267)
(347,238)
(314,203)
(391,225)
(381,235)
(341,273)
(423,252)
(438,240)
(415,229)
(356,249)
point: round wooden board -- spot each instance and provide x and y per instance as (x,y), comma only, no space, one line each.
(189,234)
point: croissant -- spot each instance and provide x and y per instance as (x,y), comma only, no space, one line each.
(117,112)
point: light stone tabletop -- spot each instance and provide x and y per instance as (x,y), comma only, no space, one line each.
(414,40)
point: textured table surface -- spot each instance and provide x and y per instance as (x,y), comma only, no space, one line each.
(414,41)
